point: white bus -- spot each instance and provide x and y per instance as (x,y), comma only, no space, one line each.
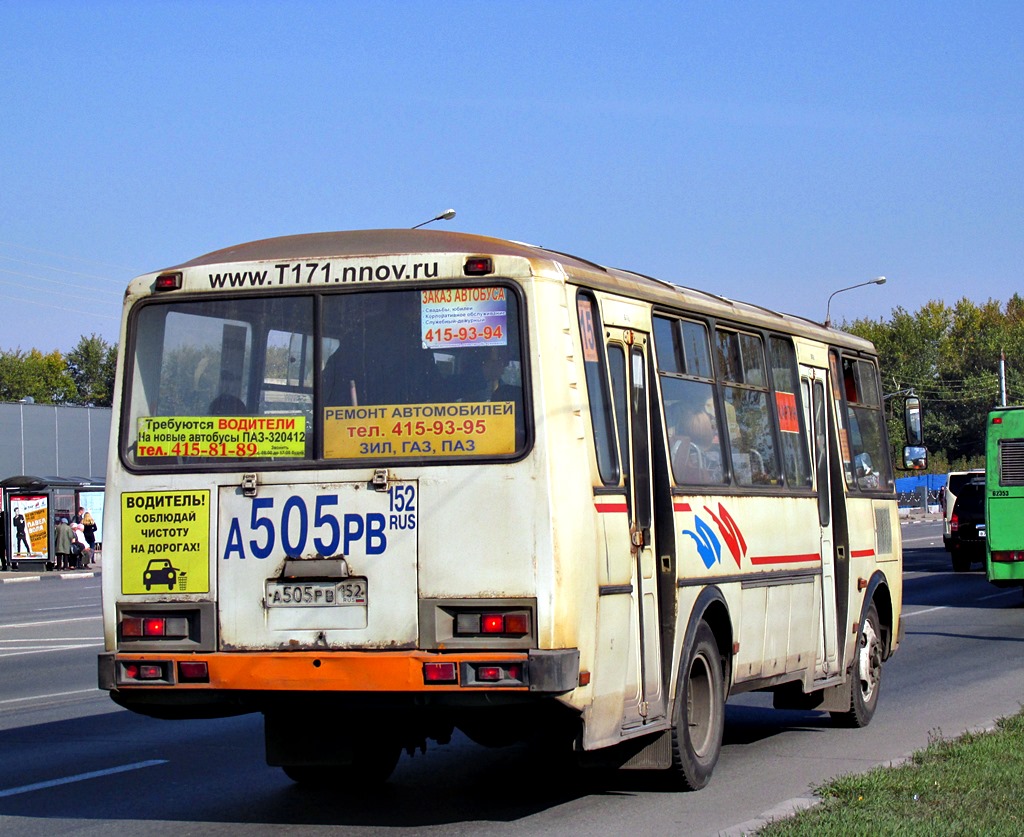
(382,485)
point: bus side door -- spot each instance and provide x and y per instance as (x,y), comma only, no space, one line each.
(631,396)
(814,385)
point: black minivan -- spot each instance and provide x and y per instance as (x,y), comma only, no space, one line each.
(966,542)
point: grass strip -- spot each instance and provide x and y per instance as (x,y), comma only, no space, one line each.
(973,784)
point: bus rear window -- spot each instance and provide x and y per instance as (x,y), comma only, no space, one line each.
(372,376)
(422,374)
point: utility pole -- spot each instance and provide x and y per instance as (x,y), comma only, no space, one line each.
(1002,378)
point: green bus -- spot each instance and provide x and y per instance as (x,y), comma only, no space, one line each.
(1004,496)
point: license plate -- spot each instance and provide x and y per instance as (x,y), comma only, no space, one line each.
(346,593)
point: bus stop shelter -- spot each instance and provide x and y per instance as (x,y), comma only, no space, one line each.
(30,506)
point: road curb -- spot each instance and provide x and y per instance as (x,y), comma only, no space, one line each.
(22,578)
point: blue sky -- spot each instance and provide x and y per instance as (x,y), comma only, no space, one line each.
(770,152)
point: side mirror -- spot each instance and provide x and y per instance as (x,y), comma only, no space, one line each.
(915,458)
(912,421)
(915,454)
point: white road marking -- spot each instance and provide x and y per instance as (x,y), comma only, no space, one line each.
(52,639)
(36,698)
(926,610)
(1014,592)
(53,622)
(24,652)
(80,777)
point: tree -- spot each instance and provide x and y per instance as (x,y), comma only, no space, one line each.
(44,378)
(91,366)
(949,357)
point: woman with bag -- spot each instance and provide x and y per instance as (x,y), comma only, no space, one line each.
(89,530)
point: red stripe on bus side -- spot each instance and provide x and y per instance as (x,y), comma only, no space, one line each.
(785,559)
(605,508)
(681,507)
(861,553)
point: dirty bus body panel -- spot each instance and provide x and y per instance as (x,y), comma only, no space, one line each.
(437,475)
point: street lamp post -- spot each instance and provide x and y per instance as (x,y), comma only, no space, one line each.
(447,215)
(878,280)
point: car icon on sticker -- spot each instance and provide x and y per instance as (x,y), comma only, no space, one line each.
(160,571)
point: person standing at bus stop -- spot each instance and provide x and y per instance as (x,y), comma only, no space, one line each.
(89,530)
(62,539)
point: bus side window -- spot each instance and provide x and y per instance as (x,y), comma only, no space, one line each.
(795,457)
(597,388)
(741,368)
(691,414)
(866,426)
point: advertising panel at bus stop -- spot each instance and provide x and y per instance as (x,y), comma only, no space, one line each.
(28,517)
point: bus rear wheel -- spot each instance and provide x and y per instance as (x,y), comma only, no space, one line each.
(866,676)
(699,714)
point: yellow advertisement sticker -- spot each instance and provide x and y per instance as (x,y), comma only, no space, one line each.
(482,428)
(233,437)
(165,542)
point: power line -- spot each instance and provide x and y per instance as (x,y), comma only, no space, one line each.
(61,270)
(78,287)
(69,258)
(64,308)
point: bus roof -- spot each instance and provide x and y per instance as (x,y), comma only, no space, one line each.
(369,243)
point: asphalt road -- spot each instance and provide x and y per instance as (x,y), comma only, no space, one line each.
(76,764)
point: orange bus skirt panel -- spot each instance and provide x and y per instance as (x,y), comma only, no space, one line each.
(354,671)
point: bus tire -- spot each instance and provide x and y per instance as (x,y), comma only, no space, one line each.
(865,676)
(699,715)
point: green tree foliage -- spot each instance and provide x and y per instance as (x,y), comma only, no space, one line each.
(44,378)
(91,365)
(85,376)
(949,357)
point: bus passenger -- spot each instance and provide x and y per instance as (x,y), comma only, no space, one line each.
(691,439)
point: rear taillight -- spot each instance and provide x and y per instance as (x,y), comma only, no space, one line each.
(478,266)
(1007,556)
(144,671)
(954,523)
(173,627)
(193,671)
(167,282)
(440,673)
(494,674)
(504,624)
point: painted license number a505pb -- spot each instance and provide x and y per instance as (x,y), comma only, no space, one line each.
(350,592)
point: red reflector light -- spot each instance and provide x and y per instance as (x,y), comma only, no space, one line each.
(150,671)
(517,623)
(153,626)
(492,623)
(997,420)
(440,673)
(131,671)
(193,672)
(131,626)
(492,673)
(478,266)
(167,282)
